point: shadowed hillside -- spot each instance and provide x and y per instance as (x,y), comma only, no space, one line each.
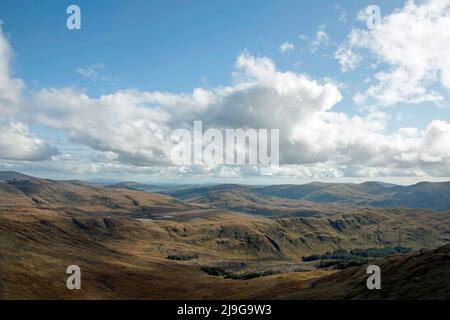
(407,276)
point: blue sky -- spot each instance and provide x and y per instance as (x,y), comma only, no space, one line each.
(168,45)
(177,46)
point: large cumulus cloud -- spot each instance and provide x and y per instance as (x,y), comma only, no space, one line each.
(136,125)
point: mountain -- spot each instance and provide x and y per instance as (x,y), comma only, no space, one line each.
(243,199)
(142,245)
(11,176)
(435,196)
(424,195)
(18,190)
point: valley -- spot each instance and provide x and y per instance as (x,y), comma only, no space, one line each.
(213,242)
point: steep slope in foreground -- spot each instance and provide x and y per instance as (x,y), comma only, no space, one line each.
(406,276)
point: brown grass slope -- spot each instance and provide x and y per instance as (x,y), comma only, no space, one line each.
(403,277)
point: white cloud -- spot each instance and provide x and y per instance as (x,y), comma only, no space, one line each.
(413,42)
(286,47)
(137,125)
(16,142)
(118,123)
(10,88)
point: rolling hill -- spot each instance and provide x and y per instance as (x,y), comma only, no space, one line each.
(423,195)
(18,190)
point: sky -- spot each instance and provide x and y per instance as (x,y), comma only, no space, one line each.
(355,98)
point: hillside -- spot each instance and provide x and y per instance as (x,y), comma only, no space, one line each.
(18,190)
(135,244)
(403,277)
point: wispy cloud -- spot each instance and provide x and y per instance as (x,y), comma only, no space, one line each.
(286,47)
(94,72)
(321,39)
(342,13)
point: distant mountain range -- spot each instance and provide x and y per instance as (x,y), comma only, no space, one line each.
(424,195)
